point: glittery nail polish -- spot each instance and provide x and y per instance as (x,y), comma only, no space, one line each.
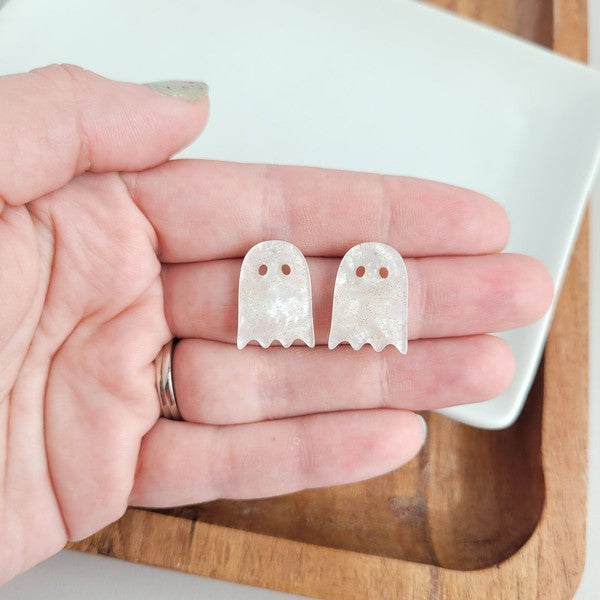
(184,90)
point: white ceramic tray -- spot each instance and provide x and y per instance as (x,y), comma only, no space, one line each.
(386,86)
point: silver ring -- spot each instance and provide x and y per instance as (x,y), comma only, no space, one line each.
(164,383)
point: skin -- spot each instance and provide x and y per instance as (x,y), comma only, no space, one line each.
(108,250)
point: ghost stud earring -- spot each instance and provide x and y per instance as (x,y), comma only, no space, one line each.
(275,301)
(370,299)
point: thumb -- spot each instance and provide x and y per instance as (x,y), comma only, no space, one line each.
(59,121)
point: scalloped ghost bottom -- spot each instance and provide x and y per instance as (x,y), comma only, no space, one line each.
(370,299)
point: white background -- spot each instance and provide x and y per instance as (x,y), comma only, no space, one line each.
(71,575)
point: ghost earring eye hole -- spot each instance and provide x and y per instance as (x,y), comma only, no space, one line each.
(262,270)
(383,273)
(286,269)
(360,271)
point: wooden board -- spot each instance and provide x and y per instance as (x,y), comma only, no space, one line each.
(476,514)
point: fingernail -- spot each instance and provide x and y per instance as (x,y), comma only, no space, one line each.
(185,90)
(424,426)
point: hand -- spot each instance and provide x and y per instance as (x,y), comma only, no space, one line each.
(108,250)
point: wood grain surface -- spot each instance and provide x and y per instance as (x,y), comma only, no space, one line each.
(477,514)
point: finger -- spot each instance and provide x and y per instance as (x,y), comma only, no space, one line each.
(217,384)
(453,296)
(59,121)
(205,210)
(184,463)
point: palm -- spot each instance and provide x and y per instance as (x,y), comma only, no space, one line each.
(96,324)
(98,270)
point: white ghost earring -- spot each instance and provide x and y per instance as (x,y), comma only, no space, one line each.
(275,300)
(370,299)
